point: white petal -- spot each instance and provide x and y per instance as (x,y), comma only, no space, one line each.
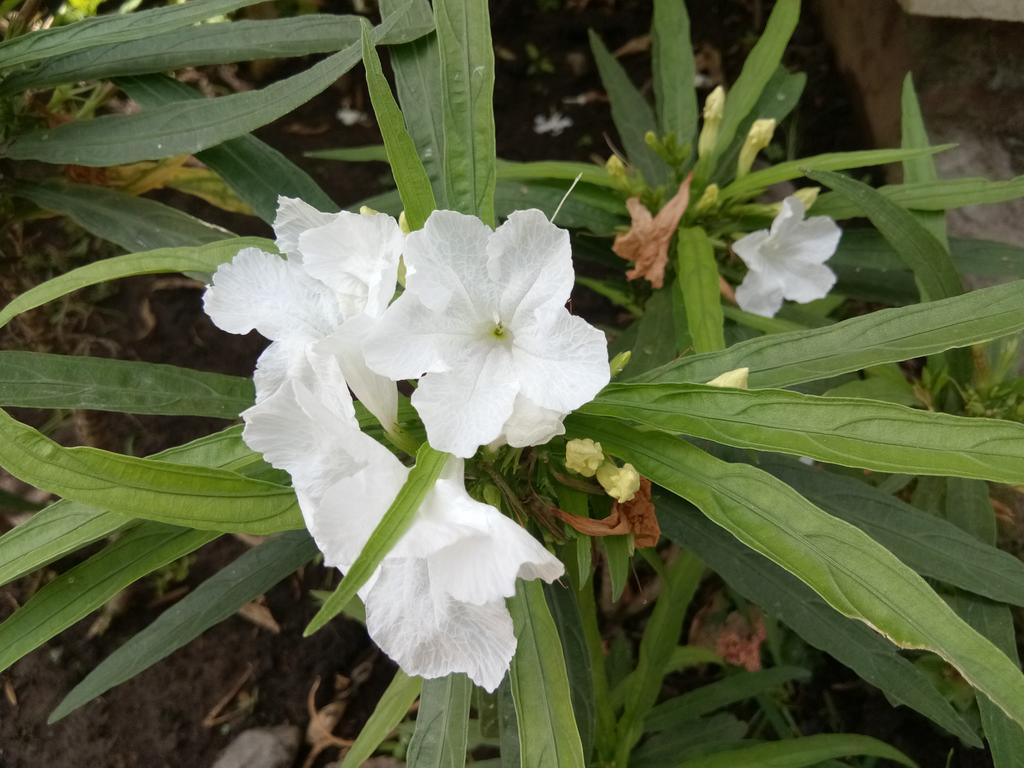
(293,218)
(532,425)
(530,260)
(749,248)
(467,407)
(357,256)
(429,634)
(790,215)
(813,241)
(446,262)
(759,294)
(803,282)
(263,292)
(561,361)
(346,346)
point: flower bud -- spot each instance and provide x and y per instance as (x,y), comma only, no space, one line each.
(737,379)
(759,137)
(583,456)
(403,223)
(621,483)
(709,199)
(620,361)
(714,107)
(651,140)
(616,168)
(365,210)
(807,195)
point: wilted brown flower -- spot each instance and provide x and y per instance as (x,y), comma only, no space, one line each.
(647,241)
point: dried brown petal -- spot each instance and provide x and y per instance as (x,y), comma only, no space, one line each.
(647,242)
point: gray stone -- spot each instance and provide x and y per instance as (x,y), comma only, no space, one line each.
(262,748)
(999,10)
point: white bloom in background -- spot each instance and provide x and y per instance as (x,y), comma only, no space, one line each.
(483,316)
(317,304)
(436,604)
(555,124)
(788,261)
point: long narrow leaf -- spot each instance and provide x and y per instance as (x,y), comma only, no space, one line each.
(673,67)
(798,753)
(391,709)
(699,282)
(941,195)
(440,738)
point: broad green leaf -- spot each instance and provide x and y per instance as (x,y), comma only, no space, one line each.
(759,322)
(756,181)
(798,753)
(656,341)
(78,592)
(257,172)
(941,195)
(133,223)
(200,259)
(694,737)
(467,90)
(698,278)
(673,68)
(39,380)
(109,30)
(661,636)
(592,208)
(930,545)
(187,127)
(540,685)
(568,618)
(856,433)
(198,497)
(440,738)
(711,697)
(854,574)
(195,46)
(886,336)
(390,711)
(914,244)
(631,114)
(850,642)
(761,64)
(213,601)
(417,68)
(396,521)
(410,176)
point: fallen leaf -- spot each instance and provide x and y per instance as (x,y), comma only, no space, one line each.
(735,636)
(647,241)
(635,516)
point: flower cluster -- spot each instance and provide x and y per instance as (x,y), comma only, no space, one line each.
(482,328)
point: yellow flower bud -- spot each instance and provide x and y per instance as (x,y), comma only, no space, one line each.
(709,199)
(619,362)
(403,223)
(808,196)
(651,139)
(714,107)
(737,379)
(616,168)
(621,483)
(759,137)
(583,456)
(366,210)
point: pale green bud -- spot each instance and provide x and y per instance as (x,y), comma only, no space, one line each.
(808,196)
(709,199)
(621,483)
(736,379)
(366,210)
(759,137)
(619,362)
(403,223)
(714,108)
(583,456)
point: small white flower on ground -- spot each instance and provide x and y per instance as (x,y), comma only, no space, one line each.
(555,124)
(436,604)
(318,303)
(787,261)
(483,317)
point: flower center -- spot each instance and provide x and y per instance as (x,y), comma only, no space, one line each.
(498,329)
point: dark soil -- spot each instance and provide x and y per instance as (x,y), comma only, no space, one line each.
(156,719)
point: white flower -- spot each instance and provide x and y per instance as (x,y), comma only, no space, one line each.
(555,124)
(436,604)
(318,303)
(483,316)
(788,261)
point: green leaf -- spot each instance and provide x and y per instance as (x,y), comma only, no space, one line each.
(765,57)
(540,685)
(631,114)
(855,433)
(941,195)
(255,171)
(213,601)
(396,521)
(565,611)
(187,127)
(661,636)
(850,642)
(656,341)
(194,46)
(920,250)
(592,208)
(417,68)
(78,592)
(756,181)
(198,497)
(724,693)
(109,30)
(440,738)
(886,336)
(555,170)
(673,68)
(133,223)
(369,153)
(798,753)
(695,737)
(410,176)
(698,280)
(390,711)
(38,380)
(847,568)
(467,90)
